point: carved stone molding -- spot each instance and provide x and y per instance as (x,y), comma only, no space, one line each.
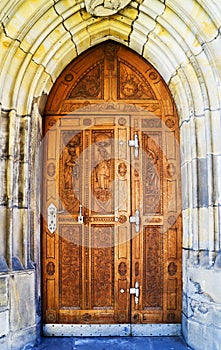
(102,8)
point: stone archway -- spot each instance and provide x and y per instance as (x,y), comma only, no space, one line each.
(182,41)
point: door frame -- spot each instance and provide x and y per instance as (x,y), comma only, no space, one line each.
(148,329)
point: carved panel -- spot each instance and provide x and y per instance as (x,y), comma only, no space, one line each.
(103,172)
(90,85)
(70,168)
(132,85)
(152,173)
(102,267)
(70,265)
(152,268)
(152,123)
(172,294)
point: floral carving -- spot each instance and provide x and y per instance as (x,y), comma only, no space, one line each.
(153,274)
(151,175)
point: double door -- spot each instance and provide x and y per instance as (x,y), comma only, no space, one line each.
(111,221)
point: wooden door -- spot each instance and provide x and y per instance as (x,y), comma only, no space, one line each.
(111,201)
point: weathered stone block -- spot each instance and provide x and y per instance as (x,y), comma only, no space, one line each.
(22,308)
(199,336)
(209,282)
(4,343)
(3,292)
(4,323)
(23,339)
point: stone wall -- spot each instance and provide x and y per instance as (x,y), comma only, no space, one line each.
(182,40)
(17,310)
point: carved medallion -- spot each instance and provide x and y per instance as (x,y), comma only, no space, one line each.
(51,316)
(68,77)
(50,268)
(86,317)
(87,122)
(51,169)
(170,123)
(122,169)
(171,170)
(122,219)
(122,121)
(172,269)
(122,269)
(105,7)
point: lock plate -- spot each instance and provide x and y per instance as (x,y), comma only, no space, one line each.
(52,218)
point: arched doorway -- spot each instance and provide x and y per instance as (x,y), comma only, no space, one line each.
(111,199)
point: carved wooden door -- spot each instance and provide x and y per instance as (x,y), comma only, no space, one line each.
(111,204)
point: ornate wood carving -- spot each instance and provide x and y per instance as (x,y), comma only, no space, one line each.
(112,94)
(152,173)
(132,84)
(102,267)
(71,266)
(90,84)
(70,179)
(153,271)
(103,174)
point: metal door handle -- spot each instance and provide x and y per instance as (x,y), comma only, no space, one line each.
(135,143)
(80,216)
(136,219)
(136,292)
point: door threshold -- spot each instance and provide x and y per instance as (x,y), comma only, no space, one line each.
(111,330)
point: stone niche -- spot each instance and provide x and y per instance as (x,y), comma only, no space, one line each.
(17,310)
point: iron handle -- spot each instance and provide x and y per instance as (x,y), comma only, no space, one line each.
(135,143)
(136,219)
(136,292)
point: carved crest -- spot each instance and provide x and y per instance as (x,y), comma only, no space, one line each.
(105,7)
